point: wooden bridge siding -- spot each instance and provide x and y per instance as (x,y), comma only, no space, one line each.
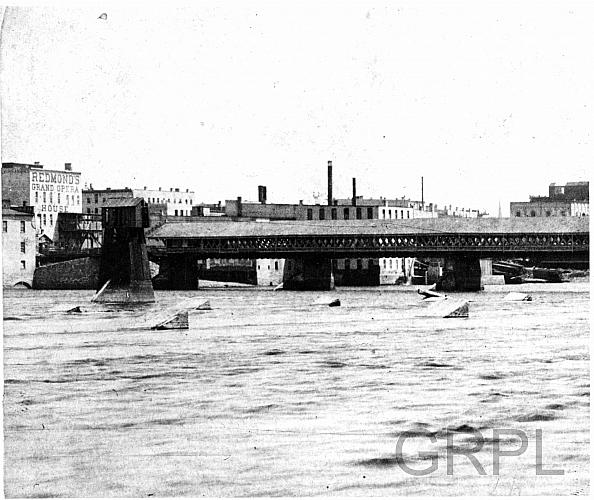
(378,245)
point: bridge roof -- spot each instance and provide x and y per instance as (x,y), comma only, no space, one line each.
(515,225)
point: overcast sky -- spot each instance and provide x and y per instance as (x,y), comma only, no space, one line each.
(490,102)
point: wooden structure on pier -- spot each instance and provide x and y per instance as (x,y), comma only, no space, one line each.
(124,260)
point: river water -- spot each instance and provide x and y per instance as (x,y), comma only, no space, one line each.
(269,395)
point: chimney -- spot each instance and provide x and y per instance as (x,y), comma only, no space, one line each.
(262,194)
(422,193)
(330,183)
(68,167)
(354,192)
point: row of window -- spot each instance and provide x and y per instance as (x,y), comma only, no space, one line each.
(69,200)
(44,219)
(275,266)
(388,212)
(150,200)
(533,213)
(346,213)
(5,226)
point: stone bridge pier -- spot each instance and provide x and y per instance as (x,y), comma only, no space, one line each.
(177,272)
(461,273)
(308,273)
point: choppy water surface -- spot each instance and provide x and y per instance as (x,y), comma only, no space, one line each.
(268,395)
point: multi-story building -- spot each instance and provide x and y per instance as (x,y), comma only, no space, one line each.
(177,203)
(19,241)
(570,200)
(49,192)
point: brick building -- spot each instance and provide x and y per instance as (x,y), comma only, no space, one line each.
(569,200)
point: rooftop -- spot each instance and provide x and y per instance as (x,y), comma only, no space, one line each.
(218,228)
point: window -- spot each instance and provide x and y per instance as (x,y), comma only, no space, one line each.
(309,214)
(36,196)
(67,199)
(51,219)
(44,200)
(39,216)
(322,214)
(548,213)
(96,210)
(4,226)
(96,197)
(88,211)
(384,263)
(276,265)
(390,263)
(333,214)
(389,214)
(23,264)
(23,247)
(176,212)
(346,214)
(347,264)
(51,197)
(532,213)
(77,200)
(44,220)
(359,214)
(369,212)
(408,214)
(103,200)
(518,214)
(22,226)
(359,264)
(88,200)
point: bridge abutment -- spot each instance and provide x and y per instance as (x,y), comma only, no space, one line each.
(461,274)
(308,273)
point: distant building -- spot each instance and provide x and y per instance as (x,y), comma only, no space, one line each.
(49,192)
(570,200)
(19,242)
(467,213)
(363,210)
(176,202)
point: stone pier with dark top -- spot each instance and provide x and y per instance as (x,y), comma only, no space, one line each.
(124,262)
(308,273)
(461,274)
(177,272)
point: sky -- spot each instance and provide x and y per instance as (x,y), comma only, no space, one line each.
(489,102)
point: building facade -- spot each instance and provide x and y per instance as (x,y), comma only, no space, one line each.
(49,192)
(19,242)
(569,200)
(176,202)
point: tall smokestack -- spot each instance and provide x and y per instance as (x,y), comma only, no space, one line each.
(262,194)
(422,193)
(330,199)
(354,191)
